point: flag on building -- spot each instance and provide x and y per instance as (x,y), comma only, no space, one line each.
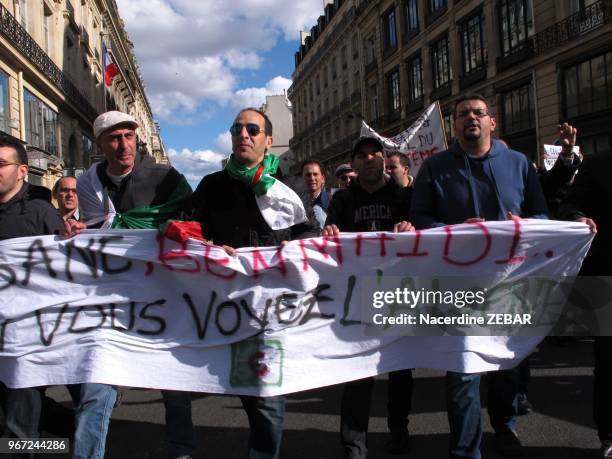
(422,139)
(110,69)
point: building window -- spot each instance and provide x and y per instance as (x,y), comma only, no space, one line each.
(23,14)
(415,80)
(411,16)
(371,50)
(472,44)
(373,104)
(355,46)
(440,63)
(48,30)
(587,86)
(4,105)
(516,25)
(436,5)
(517,109)
(390,30)
(87,146)
(579,5)
(41,124)
(393,92)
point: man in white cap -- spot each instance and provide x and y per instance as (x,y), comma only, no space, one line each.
(128,190)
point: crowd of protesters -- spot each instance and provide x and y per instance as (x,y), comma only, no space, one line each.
(477,179)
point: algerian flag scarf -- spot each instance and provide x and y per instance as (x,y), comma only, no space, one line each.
(96,206)
(279,205)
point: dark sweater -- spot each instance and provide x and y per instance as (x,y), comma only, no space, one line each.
(229,215)
(591,196)
(28,213)
(149,184)
(353,209)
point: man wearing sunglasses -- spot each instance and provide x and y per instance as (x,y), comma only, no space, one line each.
(477,179)
(240,207)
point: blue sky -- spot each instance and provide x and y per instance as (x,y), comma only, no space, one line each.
(203,60)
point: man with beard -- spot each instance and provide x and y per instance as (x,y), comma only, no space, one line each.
(370,203)
(477,179)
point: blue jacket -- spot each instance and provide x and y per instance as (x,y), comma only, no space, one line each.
(452,187)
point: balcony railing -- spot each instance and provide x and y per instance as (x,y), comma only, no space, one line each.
(574,26)
(19,37)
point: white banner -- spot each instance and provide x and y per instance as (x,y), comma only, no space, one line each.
(420,141)
(130,308)
(551,153)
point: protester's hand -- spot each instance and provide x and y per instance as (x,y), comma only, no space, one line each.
(567,138)
(587,221)
(330,230)
(511,216)
(72,228)
(229,250)
(403,227)
(474,220)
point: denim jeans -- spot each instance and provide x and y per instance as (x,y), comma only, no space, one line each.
(463,407)
(354,417)
(94,405)
(399,401)
(266,415)
(179,424)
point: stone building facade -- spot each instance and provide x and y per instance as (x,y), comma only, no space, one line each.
(52,58)
(538,62)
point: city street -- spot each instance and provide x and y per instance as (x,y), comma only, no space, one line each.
(561,426)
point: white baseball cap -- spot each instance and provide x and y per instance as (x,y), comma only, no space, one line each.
(108,120)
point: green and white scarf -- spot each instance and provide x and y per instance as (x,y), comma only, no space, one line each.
(279,205)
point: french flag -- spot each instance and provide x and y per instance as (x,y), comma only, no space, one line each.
(110,69)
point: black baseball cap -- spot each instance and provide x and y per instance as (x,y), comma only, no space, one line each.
(367,141)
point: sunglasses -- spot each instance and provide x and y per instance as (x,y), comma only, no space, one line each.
(478,113)
(252,129)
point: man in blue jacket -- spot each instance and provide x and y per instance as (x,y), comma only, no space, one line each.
(475,180)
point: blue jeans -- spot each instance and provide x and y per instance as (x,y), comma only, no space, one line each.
(179,425)
(463,407)
(94,406)
(266,415)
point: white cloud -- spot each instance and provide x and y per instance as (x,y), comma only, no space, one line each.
(189,51)
(195,164)
(254,97)
(223,142)
(243,60)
